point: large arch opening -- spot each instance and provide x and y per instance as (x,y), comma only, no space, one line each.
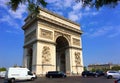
(61,48)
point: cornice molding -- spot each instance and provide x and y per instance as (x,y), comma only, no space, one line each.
(51,13)
(73,47)
(44,19)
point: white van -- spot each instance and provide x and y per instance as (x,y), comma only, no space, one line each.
(14,73)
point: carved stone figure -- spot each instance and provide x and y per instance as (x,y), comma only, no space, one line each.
(77,58)
(46,56)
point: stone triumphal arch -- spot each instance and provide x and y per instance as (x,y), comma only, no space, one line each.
(52,43)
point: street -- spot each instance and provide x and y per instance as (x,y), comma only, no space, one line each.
(74,79)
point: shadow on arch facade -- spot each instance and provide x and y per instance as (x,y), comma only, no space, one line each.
(52,43)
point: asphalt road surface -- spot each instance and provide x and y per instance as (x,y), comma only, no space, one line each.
(75,79)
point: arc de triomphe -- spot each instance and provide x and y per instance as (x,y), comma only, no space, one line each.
(52,43)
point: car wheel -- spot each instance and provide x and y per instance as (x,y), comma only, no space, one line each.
(85,76)
(109,77)
(12,80)
(96,76)
(63,76)
(50,76)
(32,79)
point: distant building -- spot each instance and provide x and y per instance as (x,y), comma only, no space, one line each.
(101,66)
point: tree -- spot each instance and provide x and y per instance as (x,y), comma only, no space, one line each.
(116,68)
(33,5)
(85,68)
(2,69)
(99,3)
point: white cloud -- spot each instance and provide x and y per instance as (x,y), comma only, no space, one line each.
(77,6)
(73,17)
(102,31)
(7,19)
(68,3)
(116,32)
(9,16)
(51,1)
(3,3)
(93,23)
(99,31)
(87,8)
(19,12)
(90,13)
(94,13)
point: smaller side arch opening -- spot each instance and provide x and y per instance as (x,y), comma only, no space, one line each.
(30,58)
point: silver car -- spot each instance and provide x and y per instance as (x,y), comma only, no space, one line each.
(112,74)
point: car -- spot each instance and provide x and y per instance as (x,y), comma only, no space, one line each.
(100,73)
(112,74)
(55,74)
(117,81)
(89,73)
(2,74)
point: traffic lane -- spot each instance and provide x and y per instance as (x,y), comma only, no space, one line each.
(73,79)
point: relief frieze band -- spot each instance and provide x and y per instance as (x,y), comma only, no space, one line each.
(46,34)
(76,41)
(30,36)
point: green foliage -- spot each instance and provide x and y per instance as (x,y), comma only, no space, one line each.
(99,3)
(33,5)
(3,69)
(93,70)
(14,4)
(103,69)
(85,68)
(116,68)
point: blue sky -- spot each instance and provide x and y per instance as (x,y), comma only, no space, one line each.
(100,40)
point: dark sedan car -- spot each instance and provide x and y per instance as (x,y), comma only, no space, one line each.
(100,73)
(89,73)
(55,74)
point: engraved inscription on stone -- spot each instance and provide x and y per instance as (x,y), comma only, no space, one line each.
(76,41)
(77,58)
(30,36)
(46,34)
(46,56)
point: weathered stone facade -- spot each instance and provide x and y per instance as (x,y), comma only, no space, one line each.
(52,43)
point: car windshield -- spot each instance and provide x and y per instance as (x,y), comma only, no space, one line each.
(61,72)
(113,72)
